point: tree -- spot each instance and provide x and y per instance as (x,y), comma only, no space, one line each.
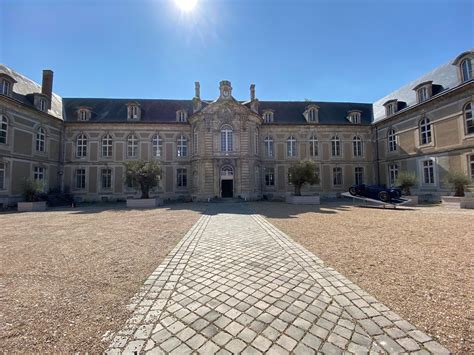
(301,173)
(143,175)
(406,180)
(458,180)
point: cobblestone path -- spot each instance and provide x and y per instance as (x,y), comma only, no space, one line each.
(236,284)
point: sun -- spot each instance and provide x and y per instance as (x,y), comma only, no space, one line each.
(186,5)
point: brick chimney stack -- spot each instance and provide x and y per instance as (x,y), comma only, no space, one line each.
(47,85)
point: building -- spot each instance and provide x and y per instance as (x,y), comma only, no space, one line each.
(231,148)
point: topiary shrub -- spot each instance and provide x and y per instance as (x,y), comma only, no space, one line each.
(143,175)
(301,173)
(458,180)
(406,180)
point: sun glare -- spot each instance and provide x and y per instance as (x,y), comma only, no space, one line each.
(186,5)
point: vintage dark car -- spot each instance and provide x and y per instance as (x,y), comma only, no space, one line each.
(376,192)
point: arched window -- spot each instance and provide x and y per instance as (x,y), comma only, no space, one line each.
(313,146)
(107,146)
(268,141)
(227,171)
(357,146)
(466,69)
(40,139)
(3,130)
(468,118)
(133,111)
(181,116)
(157,146)
(132,146)
(226,139)
(182,146)
(425,131)
(392,140)
(81,146)
(268,117)
(312,115)
(291,146)
(336,146)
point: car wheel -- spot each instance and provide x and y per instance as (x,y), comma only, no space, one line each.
(353,191)
(383,196)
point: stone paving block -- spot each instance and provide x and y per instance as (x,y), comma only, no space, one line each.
(408,344)
(436,348)
(286,342)
(235,346)
(302,349)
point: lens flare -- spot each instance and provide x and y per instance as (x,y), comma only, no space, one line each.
(186,5)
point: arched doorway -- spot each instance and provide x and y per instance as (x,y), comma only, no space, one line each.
(227,182)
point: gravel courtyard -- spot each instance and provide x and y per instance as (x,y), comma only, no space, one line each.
(419,262)
(67,276)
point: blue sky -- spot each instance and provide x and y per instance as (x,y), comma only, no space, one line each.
(323,50)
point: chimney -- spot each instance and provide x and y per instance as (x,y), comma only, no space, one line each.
(47,85)
(197,90)
(252,92)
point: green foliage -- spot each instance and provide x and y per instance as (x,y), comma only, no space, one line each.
(143,175)
(458,180)
(32,191)
(406,180)
(301,173)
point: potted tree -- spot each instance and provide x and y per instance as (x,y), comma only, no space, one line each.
(35,198)
(458,181)
(144,176)
(304,172)
(406,180)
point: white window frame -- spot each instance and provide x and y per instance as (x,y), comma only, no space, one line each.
(468,114)
(423,94)
(359,175)
(268,117)
(39,175)
(426,133)
(182,147)
(3,130)
(107,144)
(428,172)
(3,176)
(466,69)
(43,105)
(334,175)
(390,109)
(181,178)
(291,146)
(83,176)
(336,146)
(133,112)
(355,117)
(81,146)
(157,146)
(40,142)
(132,146)
(313,146)
(392,174)
(312,115)
(83,114)
(392,140)
(181,116)
(357,147)
(470,165)
(106,176)
(268,142)
(6,86)
(227,139)
(269,177)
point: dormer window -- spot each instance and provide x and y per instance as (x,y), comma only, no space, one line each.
(41,102)
(133,111)
(6,84)
(43,105)
(181,116)
(311,113)
(424,91)
(268,117)
(390,107)
(423,94)
(354,116)
(83,114)
(464,64)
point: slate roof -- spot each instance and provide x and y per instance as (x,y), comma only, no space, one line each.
(285,112)
(24,87)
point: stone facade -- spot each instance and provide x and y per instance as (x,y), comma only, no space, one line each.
(231,148)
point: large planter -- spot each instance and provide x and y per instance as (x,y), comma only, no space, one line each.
(413,199)
(144,202)
(457,202)
(31,206)
(303,200)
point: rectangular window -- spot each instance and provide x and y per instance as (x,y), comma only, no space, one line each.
(337,176)
(182,178)
(392,174)
(359,175)
(3,175)
(80,179)
(270,177)
(423,94)
(5,87)
(471,166)
(106,179)
(428,172)
(39,175)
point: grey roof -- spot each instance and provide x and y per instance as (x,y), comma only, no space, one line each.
(285,112)
(24,87)
(291,112)
(444,77)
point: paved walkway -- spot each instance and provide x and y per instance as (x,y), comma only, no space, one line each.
(237,284)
